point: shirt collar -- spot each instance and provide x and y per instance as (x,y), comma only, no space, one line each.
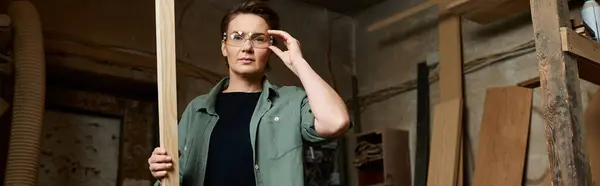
(209,103)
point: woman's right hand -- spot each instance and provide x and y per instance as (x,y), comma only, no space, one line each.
(160,163)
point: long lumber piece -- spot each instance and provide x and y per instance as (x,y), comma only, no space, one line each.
(167,85)
(503,136)
(446,140)
(561,97)
(445,143)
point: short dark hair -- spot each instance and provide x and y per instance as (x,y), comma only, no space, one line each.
(256,7)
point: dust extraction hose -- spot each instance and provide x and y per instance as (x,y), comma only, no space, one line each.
(29,97)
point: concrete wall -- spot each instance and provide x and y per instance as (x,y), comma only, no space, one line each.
(79,149)
(389,56)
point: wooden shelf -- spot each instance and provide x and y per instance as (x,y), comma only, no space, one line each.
(587,52)
(488,11)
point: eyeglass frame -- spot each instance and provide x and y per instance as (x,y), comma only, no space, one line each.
(247,38)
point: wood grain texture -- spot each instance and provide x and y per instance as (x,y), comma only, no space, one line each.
(399,16)
(451,72)
(167,85)
(587,52)
(576,44)
(592,125)
(561,98)
(450,51)
(445,141)
(396,153)
(503,136)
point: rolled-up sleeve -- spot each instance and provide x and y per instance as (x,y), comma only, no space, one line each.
(309,133)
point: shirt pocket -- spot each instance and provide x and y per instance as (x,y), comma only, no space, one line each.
(282,134)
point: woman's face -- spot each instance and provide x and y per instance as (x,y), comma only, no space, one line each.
(246,45)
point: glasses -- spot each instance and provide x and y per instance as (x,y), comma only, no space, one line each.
(238,38)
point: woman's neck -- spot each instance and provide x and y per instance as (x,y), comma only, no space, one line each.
(244,83)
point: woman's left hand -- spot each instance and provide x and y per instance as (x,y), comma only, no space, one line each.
(293,54)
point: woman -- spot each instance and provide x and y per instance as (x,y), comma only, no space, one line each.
(246,131)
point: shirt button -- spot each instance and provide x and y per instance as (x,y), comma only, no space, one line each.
(276,118)
(185,147)
(256,167)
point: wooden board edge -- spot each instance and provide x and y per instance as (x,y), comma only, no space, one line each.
(578,45)
(433,174)
(401,15)
(533,82)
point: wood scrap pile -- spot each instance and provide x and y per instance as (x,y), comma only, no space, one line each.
(366,152)
(581,28)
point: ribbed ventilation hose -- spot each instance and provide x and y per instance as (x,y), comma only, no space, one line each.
(29,97)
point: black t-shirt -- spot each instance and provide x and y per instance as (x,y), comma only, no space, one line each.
(230,161)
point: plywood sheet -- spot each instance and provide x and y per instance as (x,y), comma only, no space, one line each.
(592,125)
(503,137)
(445,141)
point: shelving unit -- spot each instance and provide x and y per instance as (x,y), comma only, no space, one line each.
(383,158)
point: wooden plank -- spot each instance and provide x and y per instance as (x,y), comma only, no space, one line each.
(450,51)
(450,70)
(399,16)
(167,85)
(396,155)
(445,141)
(124,59)
(463,6)
(561,98)
(533,82)
(503,136)
(588,70)
(497,10)
(592,126)
(423,126)
(587,52)
(578,45)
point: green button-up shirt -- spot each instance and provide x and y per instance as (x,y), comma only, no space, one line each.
(281,122)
